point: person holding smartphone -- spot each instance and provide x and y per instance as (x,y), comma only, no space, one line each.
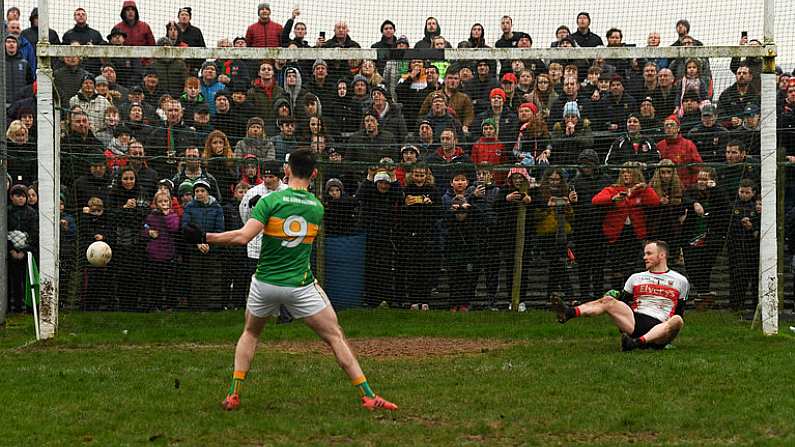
(624,224)
(753,63)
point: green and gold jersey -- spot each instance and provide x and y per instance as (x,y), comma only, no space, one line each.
(292,219)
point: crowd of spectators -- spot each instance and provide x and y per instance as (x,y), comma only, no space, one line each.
(434,160)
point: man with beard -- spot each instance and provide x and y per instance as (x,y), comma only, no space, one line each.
(646,86)
(478,88)
(166,141)
(320,84)
(76,146)
(145,176)
(192,170)
(371,143)
(389,114)
(617,106)
(224,119)
(709,136)
(455,99)
(657,297)
(733,101)
(432,29)
(571,93)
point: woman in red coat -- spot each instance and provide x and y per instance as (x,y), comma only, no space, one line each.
(624,224)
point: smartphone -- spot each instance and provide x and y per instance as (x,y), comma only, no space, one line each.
(744,34)
(322,34)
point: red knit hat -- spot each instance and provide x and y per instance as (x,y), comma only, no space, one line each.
(529,105)
(673,118)
(498,92)
(509,77)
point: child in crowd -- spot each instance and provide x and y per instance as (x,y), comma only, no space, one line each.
(33,195)
(94,224)
(185,194)
(250,171)
(464,226)
(191,96)
(340,217)
(160,231)
(22,238)
(167,186)
(421,208)
(409,155)
(743,245)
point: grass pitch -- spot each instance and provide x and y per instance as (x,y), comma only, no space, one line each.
(161,381)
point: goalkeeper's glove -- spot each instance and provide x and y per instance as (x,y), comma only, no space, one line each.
(613,293)
(252,202)
(193,234)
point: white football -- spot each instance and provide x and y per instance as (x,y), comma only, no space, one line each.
(99,254)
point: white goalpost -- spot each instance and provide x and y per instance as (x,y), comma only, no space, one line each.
(770,266)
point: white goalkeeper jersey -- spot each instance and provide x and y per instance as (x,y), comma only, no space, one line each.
(657,294)
(254,245)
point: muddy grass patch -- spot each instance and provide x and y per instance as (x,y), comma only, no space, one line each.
(398,346)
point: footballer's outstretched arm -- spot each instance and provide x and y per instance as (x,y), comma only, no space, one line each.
(241,236)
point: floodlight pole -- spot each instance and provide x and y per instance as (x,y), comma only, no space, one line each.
(49,189)
(770,248)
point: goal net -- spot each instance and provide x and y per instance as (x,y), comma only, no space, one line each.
(483,166)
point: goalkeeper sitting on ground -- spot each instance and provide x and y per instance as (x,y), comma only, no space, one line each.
(656,298)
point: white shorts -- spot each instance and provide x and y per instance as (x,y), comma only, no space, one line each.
(264,299)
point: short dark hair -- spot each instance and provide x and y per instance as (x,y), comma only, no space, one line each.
(302,163)
(451,130)
(661,245)
(747,183)
(614,30)
(738,143)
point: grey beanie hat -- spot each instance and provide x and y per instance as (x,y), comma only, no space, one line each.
(319,62)
(334,182)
